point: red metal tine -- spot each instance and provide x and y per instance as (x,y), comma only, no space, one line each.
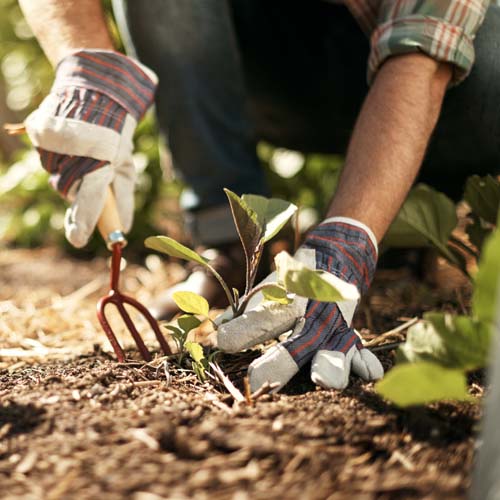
(152,322)
(118,299)
(107,328)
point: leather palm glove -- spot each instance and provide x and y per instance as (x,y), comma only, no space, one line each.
(83,131)
(322,331)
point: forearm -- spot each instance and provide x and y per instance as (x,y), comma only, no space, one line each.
(390,139)
(63,26)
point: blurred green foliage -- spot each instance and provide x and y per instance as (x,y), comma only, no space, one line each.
(32,214)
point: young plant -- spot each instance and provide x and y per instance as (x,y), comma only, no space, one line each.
(257,220)
(180,332)
(193,305)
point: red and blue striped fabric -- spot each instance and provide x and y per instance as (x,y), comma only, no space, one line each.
(110,74)
(346,251)
(99,88)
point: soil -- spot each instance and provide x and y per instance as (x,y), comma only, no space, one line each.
(75,424)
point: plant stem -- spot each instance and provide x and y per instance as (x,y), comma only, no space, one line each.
(219,278)
(253,267)
(296,230)
(213,323)
(246,298)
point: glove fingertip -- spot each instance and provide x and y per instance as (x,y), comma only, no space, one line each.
(75,234)
(330,370)
(77,238)
(275,366)
(367,366)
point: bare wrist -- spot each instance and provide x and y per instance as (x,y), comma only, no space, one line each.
(63,27)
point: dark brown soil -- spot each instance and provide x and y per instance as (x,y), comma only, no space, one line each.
(85,427)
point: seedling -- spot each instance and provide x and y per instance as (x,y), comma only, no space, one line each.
(257,220)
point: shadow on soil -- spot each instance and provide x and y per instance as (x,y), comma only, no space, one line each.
(19,418)
(439,424)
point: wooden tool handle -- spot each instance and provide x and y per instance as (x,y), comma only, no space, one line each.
(109,223)
(14,128)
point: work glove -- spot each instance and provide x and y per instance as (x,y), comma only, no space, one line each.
(322,331)
(83,131)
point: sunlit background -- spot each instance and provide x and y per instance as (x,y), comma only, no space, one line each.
(31,213)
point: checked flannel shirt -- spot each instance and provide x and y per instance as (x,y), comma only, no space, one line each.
(442,29)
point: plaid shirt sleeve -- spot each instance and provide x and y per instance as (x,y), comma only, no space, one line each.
(442,29)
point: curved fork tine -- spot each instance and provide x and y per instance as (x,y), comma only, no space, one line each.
(152,323)
(107,329)
(131,327)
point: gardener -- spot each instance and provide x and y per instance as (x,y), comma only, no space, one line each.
(292,73)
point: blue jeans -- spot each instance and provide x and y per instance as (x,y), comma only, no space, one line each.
(293,73)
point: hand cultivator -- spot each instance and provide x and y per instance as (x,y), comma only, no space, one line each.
(109,226)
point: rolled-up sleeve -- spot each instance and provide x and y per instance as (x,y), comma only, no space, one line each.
(444,30)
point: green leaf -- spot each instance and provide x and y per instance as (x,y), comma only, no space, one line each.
(272,213)
(454,341)
(468,340)
(199,361)
(427,218)
(276,293)
(173,248)
(188,322)
(191,303)
(248,227)
(423,343)
(422,383)
(483,196)
(313,284)
(485,297)
(175,330)
(178,335)
(195,351)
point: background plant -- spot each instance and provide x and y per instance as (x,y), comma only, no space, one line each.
(441,350)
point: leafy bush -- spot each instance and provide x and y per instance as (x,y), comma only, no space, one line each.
(442,349)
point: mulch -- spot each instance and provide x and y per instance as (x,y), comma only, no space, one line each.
(76,424)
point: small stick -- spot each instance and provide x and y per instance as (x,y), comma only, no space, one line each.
(264,389)
(227,383)
(146,383)
(384,336)
(385,347)
(248,392)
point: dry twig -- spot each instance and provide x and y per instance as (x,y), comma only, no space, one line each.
(248,392)
(391,334)
(235,393)
(265,388)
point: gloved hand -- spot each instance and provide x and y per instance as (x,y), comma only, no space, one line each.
(83,131)
(321,330)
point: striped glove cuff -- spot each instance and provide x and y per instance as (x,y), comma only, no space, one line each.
(345,248)
(115,75)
